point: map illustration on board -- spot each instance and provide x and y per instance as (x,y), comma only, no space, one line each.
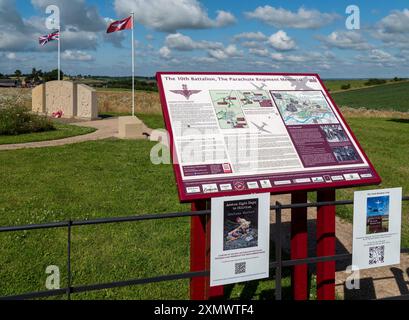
(229,106)
(255,99)
(303,107)
(228,109)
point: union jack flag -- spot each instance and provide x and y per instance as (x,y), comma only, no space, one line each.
(49,37)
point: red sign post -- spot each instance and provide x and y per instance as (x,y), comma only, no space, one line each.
(200,255)
(239,133)
(326,241)
(299,246)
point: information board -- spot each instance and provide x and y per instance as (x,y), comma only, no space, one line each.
(236,133)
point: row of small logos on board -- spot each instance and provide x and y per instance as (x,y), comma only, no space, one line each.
(266,184)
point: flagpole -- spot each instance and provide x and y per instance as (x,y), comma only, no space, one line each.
(133,64)
(59,52)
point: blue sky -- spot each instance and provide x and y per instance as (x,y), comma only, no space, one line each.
(259,36)
(378,206)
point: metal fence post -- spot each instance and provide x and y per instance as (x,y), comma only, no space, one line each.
(278,245)
(69,275)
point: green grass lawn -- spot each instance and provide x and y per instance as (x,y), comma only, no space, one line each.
(387,146)
(153,121)
(384,97)
(113,178)
(62,131)
(93,180)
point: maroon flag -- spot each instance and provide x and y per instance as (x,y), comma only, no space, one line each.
(125,24)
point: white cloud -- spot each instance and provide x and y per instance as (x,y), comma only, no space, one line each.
(281,41)
(314,59)
(76,55)
(165,52)
(77,39)
(257,40)
(263,64)
(251,36)
(396,22)
(172,15)
(230,51)
(204,59)
(16,41)
(394,29)
(224,18)
(15,33)
(86,19)
(182,42)
(75,13)
(259,52)
(288,58)
(345,40)
(253,44)
(82,27)
(380,57)
(282,18)
(215,50)
(11,56)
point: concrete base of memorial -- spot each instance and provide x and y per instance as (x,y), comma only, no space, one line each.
(130,128)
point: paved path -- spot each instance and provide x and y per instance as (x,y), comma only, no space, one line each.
(375,283)
(107,128)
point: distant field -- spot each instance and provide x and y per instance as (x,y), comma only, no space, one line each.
(120,101)
(384,97)
(335,85)
(390,96)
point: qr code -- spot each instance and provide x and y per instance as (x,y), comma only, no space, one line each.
(240,268)
(376,255)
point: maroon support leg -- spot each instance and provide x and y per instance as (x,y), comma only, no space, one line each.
(200,255)
(299,246)
(326,246)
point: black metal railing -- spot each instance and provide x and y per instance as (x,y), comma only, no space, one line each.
(278,265)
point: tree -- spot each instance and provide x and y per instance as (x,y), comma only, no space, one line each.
(34,76)
(52,75)
(18,74)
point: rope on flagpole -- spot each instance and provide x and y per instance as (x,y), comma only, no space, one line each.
(133,65)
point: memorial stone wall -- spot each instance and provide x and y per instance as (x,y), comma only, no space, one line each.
(74,100)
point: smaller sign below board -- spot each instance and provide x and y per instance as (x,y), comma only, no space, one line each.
(240,239)
(377,228)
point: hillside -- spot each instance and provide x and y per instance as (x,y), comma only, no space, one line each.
(382,97)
